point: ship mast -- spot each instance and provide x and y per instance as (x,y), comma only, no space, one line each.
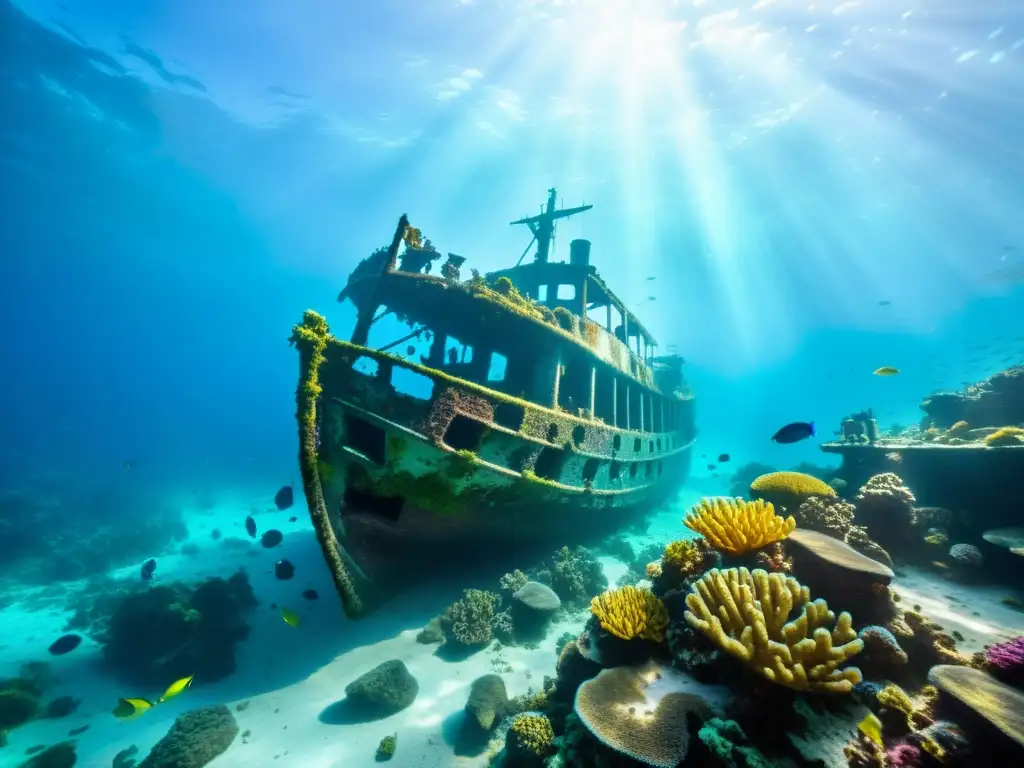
(543,225)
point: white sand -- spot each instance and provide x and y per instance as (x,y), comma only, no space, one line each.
(290,676)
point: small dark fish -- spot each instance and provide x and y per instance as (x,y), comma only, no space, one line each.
(65,644)
(284,570)
(884,303)
(410,350)
(129,464)
(272,538)
(310,594)
(147,569)
(795,432)
(79,730)
(722,458)
(285,497)
(250,527)
(216,534)
(652,277)
(292,519)
(712,467)
(652,298)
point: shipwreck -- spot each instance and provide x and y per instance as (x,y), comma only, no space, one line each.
(481,418)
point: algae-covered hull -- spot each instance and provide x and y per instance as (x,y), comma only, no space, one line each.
(414,486)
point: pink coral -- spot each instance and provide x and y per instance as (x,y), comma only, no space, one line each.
(905,756)
(1006,661)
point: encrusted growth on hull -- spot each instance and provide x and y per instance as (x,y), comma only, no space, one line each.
(311,339)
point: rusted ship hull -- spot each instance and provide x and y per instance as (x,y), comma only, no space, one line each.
(418,486)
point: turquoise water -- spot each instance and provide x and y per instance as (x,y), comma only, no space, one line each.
(789,195)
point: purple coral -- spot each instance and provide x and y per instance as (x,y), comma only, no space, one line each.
(1006,661)
(905,756)
(966,555)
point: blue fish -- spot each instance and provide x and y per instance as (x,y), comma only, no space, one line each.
(795,432)
(284,498)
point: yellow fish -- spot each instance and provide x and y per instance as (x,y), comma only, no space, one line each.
(175,688)
(871,727)
(291,618)
(886,370)
(128,709)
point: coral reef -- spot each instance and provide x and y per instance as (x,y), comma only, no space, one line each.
(513,582)
(642,712)
(386,748)
(789,490)
(745,614)
(384,690)
(629,613)
(195,739)
(574,574)
(925,643)
(729,745)
(171,631)
(735,526)
(886,507)
(467,622)
(997,400)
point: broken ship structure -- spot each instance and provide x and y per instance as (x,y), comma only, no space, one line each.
(506,414)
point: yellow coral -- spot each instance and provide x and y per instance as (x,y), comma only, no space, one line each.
(894,697)
(960,429)
(653,570)
(629,612)
(534,733)
(684,555)
(1005,436)
(745,614)
(790,489)
(738,526)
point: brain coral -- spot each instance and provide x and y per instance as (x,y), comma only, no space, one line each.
(966,555)
(789,489)
(641,712)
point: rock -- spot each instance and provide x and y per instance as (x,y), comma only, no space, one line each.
(384,690)
(995,402)
(532,608)
(60,755)
(1008,538)
(838,554)
(431,633)
(486,706)
(195,739)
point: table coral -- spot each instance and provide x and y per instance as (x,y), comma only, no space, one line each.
(736,526)
(789,489)
(746,614)
(629,613)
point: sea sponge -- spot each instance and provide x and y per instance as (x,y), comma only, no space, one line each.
(532,733)
(736,526)
(789,489)
(745,614)
(629,612)
(641,712)
(1005,436)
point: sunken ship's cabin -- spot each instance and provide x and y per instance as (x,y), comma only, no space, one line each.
(484,418)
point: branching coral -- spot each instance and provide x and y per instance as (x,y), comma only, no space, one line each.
(789,489)
(468,622)
(574,574)
(745,614)
(630,613)
(736,526)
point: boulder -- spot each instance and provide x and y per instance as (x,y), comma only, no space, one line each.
(384,690)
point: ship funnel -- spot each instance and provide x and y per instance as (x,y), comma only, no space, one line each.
(579,253)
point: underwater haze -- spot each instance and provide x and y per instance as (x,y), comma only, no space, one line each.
(805,213)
